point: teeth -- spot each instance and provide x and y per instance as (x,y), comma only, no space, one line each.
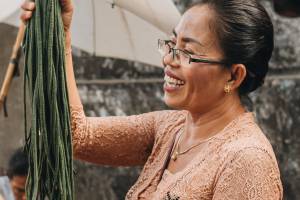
(172,85)
(173,81)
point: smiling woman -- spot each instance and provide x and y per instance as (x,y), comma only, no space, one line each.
(210,147)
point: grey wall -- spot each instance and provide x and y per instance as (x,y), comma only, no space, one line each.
(276,104)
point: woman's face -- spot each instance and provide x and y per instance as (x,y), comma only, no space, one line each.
(203,84)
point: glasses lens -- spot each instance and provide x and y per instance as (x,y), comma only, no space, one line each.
(163,47)
(181,57)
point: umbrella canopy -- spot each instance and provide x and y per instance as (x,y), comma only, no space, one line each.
(128,31)
(160,13)
(8,7)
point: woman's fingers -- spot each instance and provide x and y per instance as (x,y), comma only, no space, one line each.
(28,7)
(26,15)
(67,12)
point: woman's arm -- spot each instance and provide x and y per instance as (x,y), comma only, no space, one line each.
(74,98)
(116,141)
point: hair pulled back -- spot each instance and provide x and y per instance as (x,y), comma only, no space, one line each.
(245,34)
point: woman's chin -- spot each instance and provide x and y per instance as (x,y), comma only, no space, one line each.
(172,102)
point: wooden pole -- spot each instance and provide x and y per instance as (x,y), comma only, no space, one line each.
(11,66)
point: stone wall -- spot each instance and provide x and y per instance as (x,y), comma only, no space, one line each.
(113,92)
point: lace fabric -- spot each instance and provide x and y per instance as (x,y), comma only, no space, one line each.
(238,163)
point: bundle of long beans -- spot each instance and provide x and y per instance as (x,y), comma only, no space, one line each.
(48,141)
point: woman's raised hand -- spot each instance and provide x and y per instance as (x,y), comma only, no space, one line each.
(67,12)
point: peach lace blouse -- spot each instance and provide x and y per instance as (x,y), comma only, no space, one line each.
(237,164)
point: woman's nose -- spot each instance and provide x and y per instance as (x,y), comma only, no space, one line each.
(170,60)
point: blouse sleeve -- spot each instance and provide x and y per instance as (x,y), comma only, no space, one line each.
(116,141)
(251,175)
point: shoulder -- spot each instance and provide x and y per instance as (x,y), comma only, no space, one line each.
(169,117)
(251,172)
(4,181)
(160,118)
(159,121)
(164,121)
(3,178)
(252,158)
(247,136)
(168,120)
(247,148)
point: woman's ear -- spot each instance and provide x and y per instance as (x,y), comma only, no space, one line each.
(238,74)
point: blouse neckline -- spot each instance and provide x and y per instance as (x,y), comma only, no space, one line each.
(220,135)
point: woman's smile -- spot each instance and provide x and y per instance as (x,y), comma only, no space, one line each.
(172,82)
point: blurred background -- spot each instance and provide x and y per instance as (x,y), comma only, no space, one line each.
(106,90)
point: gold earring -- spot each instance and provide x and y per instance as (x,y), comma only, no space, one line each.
(227,88)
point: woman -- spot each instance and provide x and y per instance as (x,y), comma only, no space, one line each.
(211,147)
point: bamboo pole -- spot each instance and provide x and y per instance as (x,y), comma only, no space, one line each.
(11,66)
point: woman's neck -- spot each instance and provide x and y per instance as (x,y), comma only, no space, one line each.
(206,124)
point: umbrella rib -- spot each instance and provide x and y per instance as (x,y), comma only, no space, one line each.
(94,27)
(123,17)
(154,15)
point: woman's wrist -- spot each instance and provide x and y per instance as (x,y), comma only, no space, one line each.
(68,47)
(68,40)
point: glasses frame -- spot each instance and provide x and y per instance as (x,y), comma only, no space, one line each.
(199,60)
(191,59)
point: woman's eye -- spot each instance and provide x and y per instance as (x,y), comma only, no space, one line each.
(172,43)
(189,52)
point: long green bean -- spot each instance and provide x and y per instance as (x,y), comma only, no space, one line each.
(48,141)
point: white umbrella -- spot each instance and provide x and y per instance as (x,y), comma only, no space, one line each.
(8,7)
(130,31)
(119,33)
(161,13)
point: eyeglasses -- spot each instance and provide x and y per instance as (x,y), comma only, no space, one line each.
(166,47)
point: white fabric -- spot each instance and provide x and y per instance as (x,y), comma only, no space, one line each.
(100,30)
(161,13)
(5,189)
(7,7)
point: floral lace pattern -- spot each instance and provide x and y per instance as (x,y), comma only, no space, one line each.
(237,164)
(113,141)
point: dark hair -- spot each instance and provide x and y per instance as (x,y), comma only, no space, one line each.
(245,33)
(288,8)
(18,164)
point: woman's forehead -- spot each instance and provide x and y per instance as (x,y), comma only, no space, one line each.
(196,23)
